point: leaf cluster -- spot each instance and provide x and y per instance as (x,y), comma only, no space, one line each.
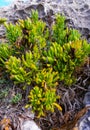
(37,57)
(65,59)
(5,52)
(16,98)
(42,100)
(2,20)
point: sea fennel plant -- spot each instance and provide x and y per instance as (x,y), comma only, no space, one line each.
(5,52)
(2,20)
(42,101)
(66,52)
(65,59)
(61,33)
(43,59)
(12,32)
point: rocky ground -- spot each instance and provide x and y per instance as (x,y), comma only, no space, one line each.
(78,16)
(76,12)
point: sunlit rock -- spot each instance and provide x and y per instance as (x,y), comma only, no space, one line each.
(77,12)
(29,125)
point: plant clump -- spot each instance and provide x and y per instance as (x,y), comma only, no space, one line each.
(40,59)
(2,20)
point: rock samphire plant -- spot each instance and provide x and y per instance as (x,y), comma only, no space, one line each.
(2,20)
(40,59)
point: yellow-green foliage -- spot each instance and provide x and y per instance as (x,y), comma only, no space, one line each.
(42,101)
(12,32)
(61,34)
(22,70)
(34,31)
(64,59)
(2,20)
(5,53)
(47,78)
(17,71)
(42,59)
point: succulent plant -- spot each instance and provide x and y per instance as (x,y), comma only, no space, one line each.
(5,53)
(2,20)
(42,58)
(42,101)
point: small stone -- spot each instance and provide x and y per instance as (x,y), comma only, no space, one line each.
(30,125)
(86,101)
(89,118)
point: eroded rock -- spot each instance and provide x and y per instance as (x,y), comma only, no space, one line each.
(77,12)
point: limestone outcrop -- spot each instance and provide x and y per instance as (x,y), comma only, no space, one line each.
(77,12)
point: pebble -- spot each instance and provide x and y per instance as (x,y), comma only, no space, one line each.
(30,125)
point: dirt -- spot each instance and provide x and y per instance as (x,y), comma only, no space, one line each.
(71,101)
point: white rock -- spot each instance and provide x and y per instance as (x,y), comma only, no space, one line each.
(30,125)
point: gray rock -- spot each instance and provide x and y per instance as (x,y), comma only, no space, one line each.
(86,100)
(77,12)
(84,123)
(29,125)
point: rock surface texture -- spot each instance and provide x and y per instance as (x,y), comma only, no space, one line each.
(84,122)
(77,12)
